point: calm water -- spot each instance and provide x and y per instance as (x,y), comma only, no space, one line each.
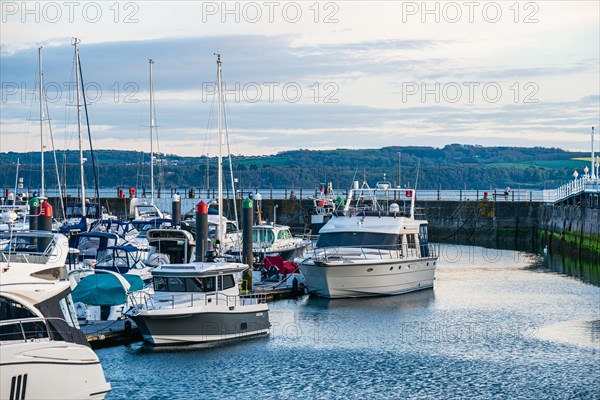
(493,327)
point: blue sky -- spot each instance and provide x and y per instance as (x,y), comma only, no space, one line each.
(312,75)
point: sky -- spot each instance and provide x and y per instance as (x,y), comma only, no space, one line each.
(303,75)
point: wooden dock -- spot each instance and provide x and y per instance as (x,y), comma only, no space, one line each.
(110,333)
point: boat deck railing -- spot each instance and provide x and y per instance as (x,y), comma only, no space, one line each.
(29,329)
(145,301)
(341,253)
(27,252)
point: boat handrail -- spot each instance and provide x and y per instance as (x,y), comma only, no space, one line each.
(35,328)
(188,299)
(403,251)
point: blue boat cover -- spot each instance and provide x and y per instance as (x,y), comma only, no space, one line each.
(105,289)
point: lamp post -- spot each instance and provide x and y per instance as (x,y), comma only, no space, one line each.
(399,169)
(575,175)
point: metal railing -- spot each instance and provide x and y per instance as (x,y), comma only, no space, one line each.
(406,251)
(157,300)
(27,329)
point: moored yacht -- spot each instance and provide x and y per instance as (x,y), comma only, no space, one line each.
(40,340)
(273,240)
(199,302)
(371,249)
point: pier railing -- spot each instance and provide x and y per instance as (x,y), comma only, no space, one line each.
(573,188)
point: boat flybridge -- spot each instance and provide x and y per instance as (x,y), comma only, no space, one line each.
(374,247)
(41,344)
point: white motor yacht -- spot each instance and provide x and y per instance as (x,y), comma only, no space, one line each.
(199,302)
(371,249)
(40,341)
(269,240)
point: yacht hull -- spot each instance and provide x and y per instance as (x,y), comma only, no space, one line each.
(188,326)
(363,278)
(38,369)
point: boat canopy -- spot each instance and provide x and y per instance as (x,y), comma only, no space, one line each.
(106,289)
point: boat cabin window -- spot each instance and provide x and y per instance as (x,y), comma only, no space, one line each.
(262,235)
(228,282)
(10,309)
(410,240)
(176,284)
(172,249)
(231,228)
(23,244)
(284,234)
(358,239)
(423,234)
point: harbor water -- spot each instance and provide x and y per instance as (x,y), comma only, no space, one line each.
(496,325)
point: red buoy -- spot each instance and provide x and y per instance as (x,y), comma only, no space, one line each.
(121,194)
(409,193)
(132,191)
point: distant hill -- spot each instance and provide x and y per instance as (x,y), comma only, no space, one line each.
(454,166)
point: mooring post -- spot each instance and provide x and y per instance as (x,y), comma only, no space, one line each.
(247,256)
(201,230)
(176,209)
(44,224)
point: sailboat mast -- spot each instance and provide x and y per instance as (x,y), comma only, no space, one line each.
(220,158)
(150,62)
(81,160)
(43,188)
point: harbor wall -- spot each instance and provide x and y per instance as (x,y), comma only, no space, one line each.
(570,229)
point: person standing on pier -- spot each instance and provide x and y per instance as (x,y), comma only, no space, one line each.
(506,193)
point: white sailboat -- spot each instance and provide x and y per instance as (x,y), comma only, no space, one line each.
(140,210)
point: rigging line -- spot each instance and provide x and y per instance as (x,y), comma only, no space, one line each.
(60,193)
(29,120)
(68,136)
(87,120)
(231,169)
(206,136)
(161,177)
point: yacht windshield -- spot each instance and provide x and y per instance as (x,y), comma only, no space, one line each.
(358,239)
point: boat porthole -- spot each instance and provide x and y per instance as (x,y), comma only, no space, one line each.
(399,266)
(370,270)
(391,268)
(428,264)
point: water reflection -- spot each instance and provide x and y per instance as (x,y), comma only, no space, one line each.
(539,257)
(407,301)
(587,271)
